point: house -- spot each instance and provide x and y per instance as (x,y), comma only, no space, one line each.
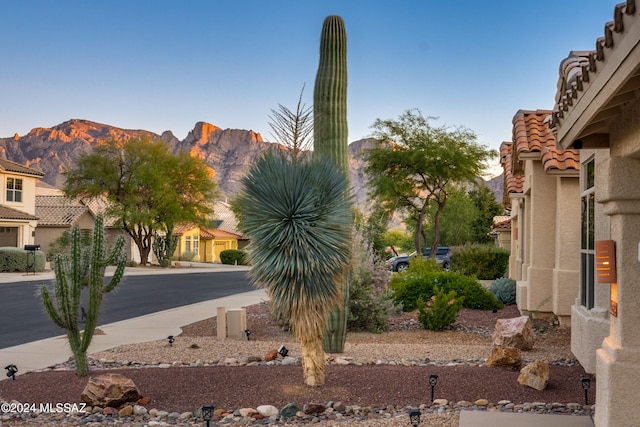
(501,231)
(206,243)
(18,218)
(597,111)
(542,194)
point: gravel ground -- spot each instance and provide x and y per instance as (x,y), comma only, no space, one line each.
(382,374)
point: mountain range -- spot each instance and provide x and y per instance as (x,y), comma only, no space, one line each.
(229,152)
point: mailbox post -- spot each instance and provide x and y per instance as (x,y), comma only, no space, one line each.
(31,257)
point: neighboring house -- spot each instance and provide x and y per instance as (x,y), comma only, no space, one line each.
(57,214)
(207,242)
(18,219)
(501,231)
(598,112)
(542,187)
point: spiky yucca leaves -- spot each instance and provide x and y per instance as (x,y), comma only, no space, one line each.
(83,267)
(298,220)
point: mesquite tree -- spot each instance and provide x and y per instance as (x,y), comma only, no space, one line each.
(83,268)
(330,141)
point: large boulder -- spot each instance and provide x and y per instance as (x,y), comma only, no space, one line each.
(111,390)
(535,375)
(516,332)
(505,357)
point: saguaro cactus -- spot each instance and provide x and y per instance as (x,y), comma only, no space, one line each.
(164,247)
(83,267)
(331,141)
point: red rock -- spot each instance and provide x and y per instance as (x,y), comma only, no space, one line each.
(516,332)
(505,357)
(271,355)
(110,390)
(144,400)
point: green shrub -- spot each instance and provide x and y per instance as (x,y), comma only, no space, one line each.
(233,257)
(482,262)
(409,287)
(505,290)
(440,310)
(15,259)
(188,256)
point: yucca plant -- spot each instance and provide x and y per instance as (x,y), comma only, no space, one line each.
(83,267)
(297,218)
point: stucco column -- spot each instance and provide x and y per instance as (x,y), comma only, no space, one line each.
(618,361)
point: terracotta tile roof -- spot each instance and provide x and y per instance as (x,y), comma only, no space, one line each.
(10,213)
(98,206)
(503,225)
(512,182)
(580,69)
(58,211)
(223,212)
(205,233)
(9,166)
(532,134)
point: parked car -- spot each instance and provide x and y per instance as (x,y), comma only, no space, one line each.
(400,263)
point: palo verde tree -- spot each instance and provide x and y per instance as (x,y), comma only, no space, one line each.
(147,188)
(293,129)
(83,267)
(330,137)
(414,164)
(294,214)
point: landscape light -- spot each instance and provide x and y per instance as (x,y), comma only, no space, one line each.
(11,371)
(207,413)
(586,385)
(247,333)
(414,417)
(171,340)
(283,351)
(433,380)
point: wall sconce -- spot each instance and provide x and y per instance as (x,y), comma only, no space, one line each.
(11,371)
(414,417)
(606,261)
(586,385)
(433,380)
(283,351)
(207,413)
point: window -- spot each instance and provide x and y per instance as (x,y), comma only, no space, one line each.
(187,243)
(587,252)
(14,190)
(196,244)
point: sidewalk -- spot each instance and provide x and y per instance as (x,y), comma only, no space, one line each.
(47,352)
(505,419)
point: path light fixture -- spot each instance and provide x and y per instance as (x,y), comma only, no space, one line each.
(414,417)
(247,332)
(586,385)
(11,371)
(207,413)
(433,380)
(171,340)
(283,351)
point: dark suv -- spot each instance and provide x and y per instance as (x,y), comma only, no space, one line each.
(400,263)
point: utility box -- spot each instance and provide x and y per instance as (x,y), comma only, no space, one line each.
(221,323)
(236,323)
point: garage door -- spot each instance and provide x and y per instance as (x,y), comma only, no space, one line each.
(9,236)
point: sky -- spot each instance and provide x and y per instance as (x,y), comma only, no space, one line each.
(166,65)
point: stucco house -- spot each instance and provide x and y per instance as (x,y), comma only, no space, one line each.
(597,111)
(542,194)
(18,218)
(57,214)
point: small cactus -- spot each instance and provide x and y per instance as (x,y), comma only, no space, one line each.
(83,267)
(505,290)
(164,247)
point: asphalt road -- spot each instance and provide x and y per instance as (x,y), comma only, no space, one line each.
(23,319)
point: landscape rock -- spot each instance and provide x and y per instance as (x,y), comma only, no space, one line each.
(271,355)
(110,390)
(290,410)
(505,357)
(267,410)
(314,408)
(516,332)
(535,375)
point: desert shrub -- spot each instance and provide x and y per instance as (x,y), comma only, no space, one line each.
(15,259)
(505,290)
(482,262)
(440,310)
(233,257)
(188,256)
(370,299)
(408,288)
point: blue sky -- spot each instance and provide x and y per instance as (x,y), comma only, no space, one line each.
(165,65)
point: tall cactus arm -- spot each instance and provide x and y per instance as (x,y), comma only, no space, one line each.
(67,297)
(50,308)
(119,257)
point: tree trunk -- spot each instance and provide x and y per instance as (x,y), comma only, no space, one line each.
(313,361)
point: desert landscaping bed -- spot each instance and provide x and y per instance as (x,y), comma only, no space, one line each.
(377,379)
